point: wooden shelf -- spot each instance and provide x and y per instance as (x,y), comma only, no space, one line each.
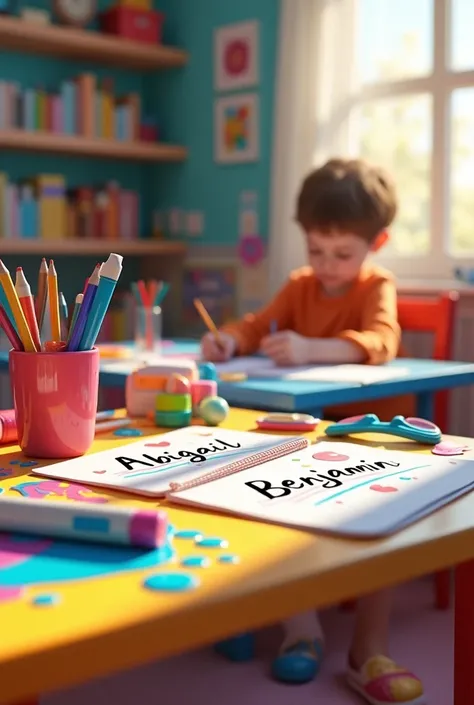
(57,143)
(69,43)
(13,246)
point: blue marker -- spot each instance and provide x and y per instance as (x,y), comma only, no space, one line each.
(109,275)
(77,331)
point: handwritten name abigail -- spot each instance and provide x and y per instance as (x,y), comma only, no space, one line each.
(200,455)
(328,480)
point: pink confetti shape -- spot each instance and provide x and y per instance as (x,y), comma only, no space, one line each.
(446,448)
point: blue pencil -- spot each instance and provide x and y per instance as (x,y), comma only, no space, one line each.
(109,276)
(81,320)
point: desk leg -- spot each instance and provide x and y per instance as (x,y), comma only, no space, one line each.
(425,405)
(464,635)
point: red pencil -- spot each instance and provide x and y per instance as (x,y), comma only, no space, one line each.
(10,332)
(28,305)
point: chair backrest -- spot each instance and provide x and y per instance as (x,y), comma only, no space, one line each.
(435,316)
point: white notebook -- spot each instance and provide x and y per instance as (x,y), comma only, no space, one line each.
(156,463)
(261,367)
(343,489)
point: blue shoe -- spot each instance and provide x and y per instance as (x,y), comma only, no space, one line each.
(240,648)
(298,663)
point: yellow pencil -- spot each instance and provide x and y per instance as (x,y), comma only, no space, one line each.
(201,309)
(53,297)
(17,311)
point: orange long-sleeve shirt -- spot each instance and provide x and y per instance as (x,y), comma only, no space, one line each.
(365,315)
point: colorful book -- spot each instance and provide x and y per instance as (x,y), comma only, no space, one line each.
(68,98)
(86,84)
(28,212)
(155,463)
(343,489)
(51,192)
(29,109)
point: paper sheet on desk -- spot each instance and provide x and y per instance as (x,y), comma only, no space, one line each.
(258,367)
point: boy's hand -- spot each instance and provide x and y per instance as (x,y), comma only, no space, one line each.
(212,351)
(287,348)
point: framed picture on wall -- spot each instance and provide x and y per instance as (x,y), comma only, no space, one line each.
(236,60)
(236,129)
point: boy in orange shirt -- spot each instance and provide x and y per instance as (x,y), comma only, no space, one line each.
(339,309)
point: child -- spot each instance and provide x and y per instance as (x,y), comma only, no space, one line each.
(339,309)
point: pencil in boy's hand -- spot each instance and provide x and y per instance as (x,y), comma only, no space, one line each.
(41,294)
(23,291)
(10,331)
(17,311)
(207,320)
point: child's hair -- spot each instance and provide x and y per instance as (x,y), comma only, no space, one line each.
(348,195)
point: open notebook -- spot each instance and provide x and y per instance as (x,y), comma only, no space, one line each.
(338,488)
(155,463)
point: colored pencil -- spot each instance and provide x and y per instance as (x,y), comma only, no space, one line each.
(41,294)
(207,320)
(17,311)
(27,303)
(109,276)
(81,320)
(53,297)
(10,331)
(75,313)
(161,293)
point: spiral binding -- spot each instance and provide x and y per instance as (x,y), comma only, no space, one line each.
(292,446)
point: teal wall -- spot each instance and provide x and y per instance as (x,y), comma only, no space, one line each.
(184,100)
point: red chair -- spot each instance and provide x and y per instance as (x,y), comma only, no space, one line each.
(436,316)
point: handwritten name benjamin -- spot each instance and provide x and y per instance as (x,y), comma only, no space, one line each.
(328,480)
(165,458)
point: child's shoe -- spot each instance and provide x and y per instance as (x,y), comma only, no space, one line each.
(299,662)
(381,682)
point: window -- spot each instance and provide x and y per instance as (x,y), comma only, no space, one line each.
(396,85)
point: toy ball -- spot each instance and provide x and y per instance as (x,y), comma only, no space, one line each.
(177,384)
(213,410)
(207,370)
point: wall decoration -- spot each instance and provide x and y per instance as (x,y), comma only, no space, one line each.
(236,60)
(251,252)
(216,284)
(236,129)
(194,223)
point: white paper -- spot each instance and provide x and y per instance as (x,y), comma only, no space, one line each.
(339,488)
(260,367)
(151,464)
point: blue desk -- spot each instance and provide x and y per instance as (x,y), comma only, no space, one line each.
(425,377)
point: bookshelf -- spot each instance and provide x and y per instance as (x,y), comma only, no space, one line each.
(56,143)
(44,247)
(66,43)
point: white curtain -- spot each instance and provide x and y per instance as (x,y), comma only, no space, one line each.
(310,114)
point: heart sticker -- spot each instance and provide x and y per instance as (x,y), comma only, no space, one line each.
(331,456)
(383,488)
(446,448)
(161,444)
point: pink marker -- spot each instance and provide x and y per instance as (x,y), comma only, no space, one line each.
(127,526)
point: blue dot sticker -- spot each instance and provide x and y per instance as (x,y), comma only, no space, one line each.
(28,464)
(171,582)
(128,432)
(211,542)
(196,562)
(188,534)
(229,559)
(14,462)
(46,600)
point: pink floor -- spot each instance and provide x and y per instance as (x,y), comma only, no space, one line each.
(422,640)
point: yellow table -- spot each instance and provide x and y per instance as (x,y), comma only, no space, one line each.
(104,624)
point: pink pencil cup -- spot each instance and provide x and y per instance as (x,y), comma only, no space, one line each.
(55,399)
